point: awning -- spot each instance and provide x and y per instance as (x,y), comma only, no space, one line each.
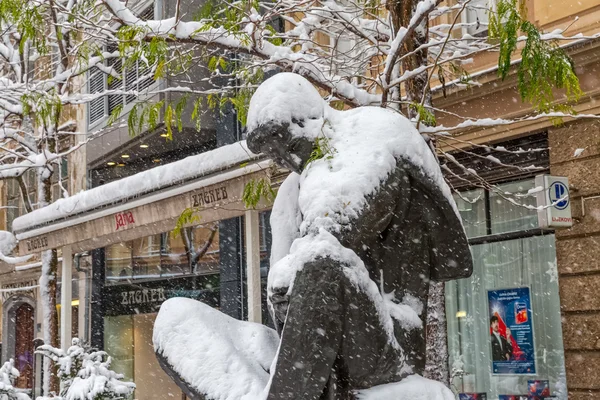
(214,195)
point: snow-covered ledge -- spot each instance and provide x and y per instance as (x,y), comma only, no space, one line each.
(146,203)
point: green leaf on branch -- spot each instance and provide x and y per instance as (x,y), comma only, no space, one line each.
(426,116)
(257,189)
(187,217)
(544,65)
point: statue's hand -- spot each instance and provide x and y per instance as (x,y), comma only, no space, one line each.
(280,301)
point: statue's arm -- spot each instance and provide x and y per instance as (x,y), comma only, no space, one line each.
(285,228)
(285,218)
(409,190)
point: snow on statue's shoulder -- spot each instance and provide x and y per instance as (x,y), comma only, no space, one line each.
(361,148)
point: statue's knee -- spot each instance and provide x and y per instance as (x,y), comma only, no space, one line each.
(323,268)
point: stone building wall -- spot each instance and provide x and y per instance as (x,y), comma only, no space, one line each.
(578,255)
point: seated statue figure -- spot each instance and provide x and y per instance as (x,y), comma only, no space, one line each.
(360,227)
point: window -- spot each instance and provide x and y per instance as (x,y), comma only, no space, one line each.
(491,213)
(136,78)
(60,185)
(477,13)
(195,251)
(15,205)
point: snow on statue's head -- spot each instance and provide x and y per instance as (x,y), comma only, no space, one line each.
(285,117)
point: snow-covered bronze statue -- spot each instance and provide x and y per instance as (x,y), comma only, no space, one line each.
(360,227)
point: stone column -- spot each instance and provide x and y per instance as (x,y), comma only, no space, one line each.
(578,255)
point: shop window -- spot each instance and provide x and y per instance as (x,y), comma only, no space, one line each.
(472,207)
(520,266)
(504,324)
(194,251)
(265,255)
(119,262)
(505,216)
(510,208)
(128,339)
(146,254)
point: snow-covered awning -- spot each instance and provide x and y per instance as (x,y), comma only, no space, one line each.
(147,203)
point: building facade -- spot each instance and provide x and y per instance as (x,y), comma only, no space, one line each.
(558,267)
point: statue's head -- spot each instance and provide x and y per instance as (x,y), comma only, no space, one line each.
(285,117)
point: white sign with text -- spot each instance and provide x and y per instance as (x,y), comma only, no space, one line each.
(553,201)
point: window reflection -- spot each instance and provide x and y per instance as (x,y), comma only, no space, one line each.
(195,250)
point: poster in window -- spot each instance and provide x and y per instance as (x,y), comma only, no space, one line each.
(538,389)
(472,396)
(511,331)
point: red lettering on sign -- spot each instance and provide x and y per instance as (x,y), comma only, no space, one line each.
(562,219)
(124,219)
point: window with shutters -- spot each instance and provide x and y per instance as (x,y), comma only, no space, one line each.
(477,15)
(137,78)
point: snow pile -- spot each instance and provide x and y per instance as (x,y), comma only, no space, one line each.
(414,387)
(86,375)
(287,100)
(287,214)
(212,352)
(139,184)
(8,375)
(8,242)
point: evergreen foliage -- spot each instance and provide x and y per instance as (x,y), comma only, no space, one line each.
(8,376)
(86,374)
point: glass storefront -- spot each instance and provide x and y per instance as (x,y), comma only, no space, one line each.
(205,263)
(128,340)
(504,323)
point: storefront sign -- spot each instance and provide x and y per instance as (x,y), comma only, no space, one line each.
(511,331)
(142,296)
(554,203)
(202,198)
(147,297)
(124,220)
(37,244)
(26,288)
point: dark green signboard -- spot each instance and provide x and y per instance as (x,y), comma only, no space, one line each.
(146,297)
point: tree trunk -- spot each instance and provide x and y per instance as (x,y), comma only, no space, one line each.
(401,12)
(48,289)
(417,90)
(436,365)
